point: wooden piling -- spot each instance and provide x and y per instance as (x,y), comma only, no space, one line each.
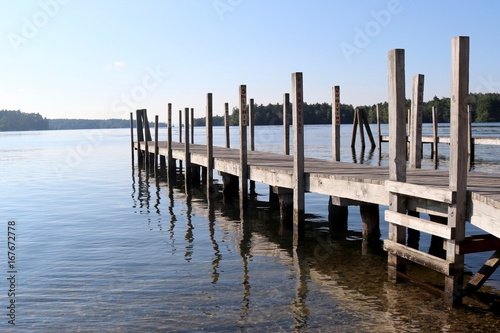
(397,153)
(132,136)
(157,148)
(170,159)
(336,123)
(298,155)
(140,136)
(226,124)
(187,158)
(434,134)
(417,99)
(286,123)
(243,148)
(379,132)
(180,125)
(210,147)
(251,118)
(364,119)
(192,126)
(458,166)
(470,139)
(370,219)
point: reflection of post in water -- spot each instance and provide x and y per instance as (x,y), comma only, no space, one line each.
(299,306)
(143,195)
(173,218)
(134,190)
(215,246)
(245,252)
(189,229)
(157,202)
(362,155)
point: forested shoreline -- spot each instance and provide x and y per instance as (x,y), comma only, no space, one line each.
(484,108)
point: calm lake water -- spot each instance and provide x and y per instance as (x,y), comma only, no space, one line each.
(100,247)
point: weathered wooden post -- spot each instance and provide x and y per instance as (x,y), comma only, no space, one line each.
(147,158)
(226,124)
(337,214)
(397,153)
(354,128)
(243,148)
(286,123)
(251,118)
(367,126)
(210,147)
(157,148)
(470,151)
(180,137)
(379,133)
(140,137)
(298,156)
(170,159)
(187,155)
(435,137)
(417,99)
(415,133)
(361,130)
(458,165)
(336,124)
(132,136)
(192,125)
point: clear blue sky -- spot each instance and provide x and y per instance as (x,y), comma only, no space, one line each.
(103,59)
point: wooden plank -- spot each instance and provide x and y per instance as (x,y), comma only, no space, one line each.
(415,160)
(420,191)
(226,125)
(243,148)
(458,164)
(421,258)
(479,243)
(210,147)
(286,123)
(397,153)
(484,273)
(416,223)
(336,123)
(298,155)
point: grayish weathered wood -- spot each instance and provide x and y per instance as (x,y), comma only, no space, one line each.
(210,147)
(132,135)
(251,116)
(226,124)
(336,123)
(192,126)
(298,154)
(417,99)
(157,148)
(434,134)
(458,164)
(243,148)
(286,123)
(397,152)
(187,158)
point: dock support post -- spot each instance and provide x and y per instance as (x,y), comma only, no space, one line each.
(417,99)
(397,153)
(226,125)
(192,125)
(180,137)
(229,186)
(470,141)
(187,155)
(140,137)
(458,165)
(170,159)
(379,133)
(336,124)
(370,219)
(251,117)
(337,216)
(298,156)
(435,135)
(157,148)
(210,147)
(285,197)
(286,123)
(243,148)
(132,136)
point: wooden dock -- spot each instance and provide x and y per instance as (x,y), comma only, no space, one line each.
(451,198)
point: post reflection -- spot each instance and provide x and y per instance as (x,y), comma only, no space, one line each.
(245,253)
(173,219)
(189,237)
(302,275)
(211,230)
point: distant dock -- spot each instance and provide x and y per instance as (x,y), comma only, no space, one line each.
(451,198)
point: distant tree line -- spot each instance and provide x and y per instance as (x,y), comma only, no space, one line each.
(484,108)
(21,121)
